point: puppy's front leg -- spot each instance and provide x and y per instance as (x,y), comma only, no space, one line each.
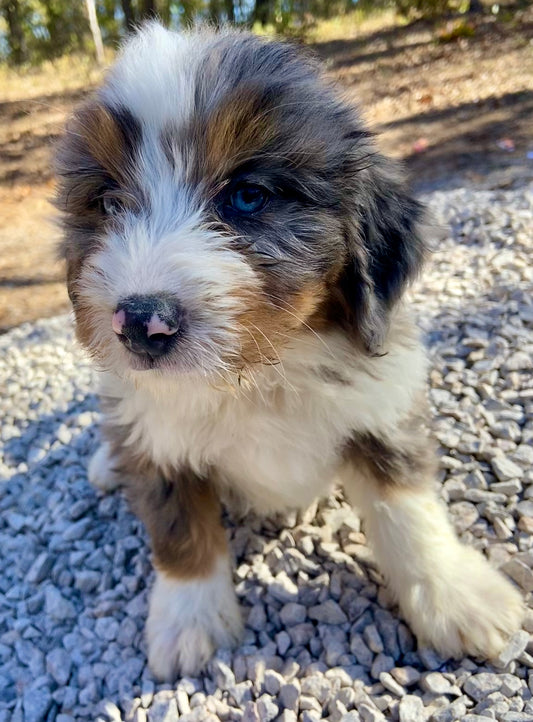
(452,598)
(193,606)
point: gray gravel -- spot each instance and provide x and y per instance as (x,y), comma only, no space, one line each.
(322,639)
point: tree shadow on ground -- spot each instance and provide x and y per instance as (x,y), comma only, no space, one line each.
(29,130)
(11,110)
(390,41)
(399,68)
(463,143)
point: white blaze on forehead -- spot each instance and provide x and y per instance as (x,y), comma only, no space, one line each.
(154,76)
(154,80)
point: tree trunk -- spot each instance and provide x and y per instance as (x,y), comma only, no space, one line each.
(12,11)
(164,12)
(476,6)
(214,12)
(229,7)
(95,30)
(263,11)
(129,15)
(148,10)
(189,10)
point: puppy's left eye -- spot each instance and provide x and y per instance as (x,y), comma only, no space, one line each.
(248,198)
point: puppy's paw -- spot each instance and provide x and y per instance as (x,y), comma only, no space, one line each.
(467,608)
(100,470)
(189,620)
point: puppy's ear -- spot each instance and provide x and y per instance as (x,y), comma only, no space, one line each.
(382,228)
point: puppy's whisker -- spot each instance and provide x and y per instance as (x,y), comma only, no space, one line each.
(274,349)
(250,383)
(304,323)
(261,357)
(281,370)
(252,380)
(226,383)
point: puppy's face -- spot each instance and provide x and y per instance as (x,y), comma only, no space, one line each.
(217,198)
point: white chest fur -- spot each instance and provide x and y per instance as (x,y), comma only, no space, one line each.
(279,438)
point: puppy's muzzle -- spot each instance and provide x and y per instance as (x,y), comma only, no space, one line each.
(149,325)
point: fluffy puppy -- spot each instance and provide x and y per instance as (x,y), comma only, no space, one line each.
(237,250)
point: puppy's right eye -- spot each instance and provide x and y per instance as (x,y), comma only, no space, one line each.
(111,206)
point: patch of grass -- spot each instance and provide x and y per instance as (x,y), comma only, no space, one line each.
(363,20)
(63,75)
(368,17)
(454,30)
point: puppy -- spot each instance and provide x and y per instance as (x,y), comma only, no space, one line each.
(237,251)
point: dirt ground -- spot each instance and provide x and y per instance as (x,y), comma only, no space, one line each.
(444,108)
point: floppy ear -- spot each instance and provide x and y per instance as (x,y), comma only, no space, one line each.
(385,248)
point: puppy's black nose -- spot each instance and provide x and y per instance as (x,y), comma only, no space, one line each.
(148,325)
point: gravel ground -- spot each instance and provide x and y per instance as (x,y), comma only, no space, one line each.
(322,638)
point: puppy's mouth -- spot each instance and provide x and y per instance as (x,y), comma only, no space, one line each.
(143,362)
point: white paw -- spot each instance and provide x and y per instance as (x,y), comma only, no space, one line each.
(100,470)
(467,608)
(188,620)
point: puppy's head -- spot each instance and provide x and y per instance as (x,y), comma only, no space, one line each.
(218,198)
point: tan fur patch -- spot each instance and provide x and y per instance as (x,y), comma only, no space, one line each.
(95,149)
(269,322)
(104,138)
(180,510)
(84,316)
(236,131)
(182,516)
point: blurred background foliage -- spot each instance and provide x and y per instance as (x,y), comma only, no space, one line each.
(35,30)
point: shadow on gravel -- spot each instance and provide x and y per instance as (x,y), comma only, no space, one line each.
(51,510)
(38,445)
